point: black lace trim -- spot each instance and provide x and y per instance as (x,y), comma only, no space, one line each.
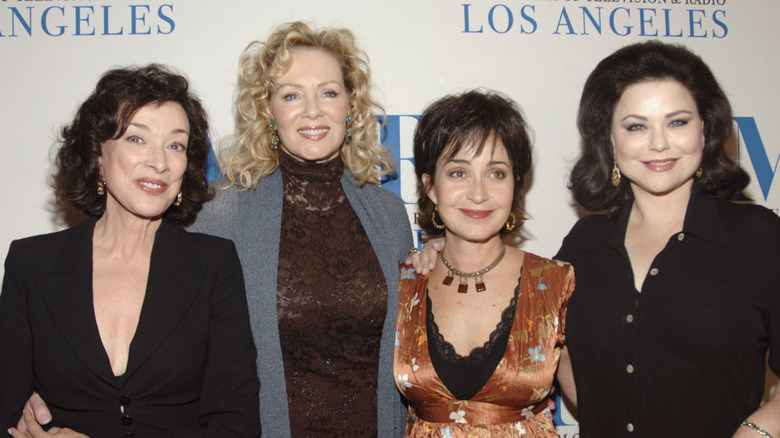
(477,355)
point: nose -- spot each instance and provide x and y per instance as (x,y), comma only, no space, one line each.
(658,140)
(477,192)
(157,159)
(313,108)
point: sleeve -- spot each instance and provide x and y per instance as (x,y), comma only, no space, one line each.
(229,405)
(16,373)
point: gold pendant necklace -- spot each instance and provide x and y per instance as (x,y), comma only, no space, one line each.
(463,277)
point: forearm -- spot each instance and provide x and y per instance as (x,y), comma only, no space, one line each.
(767,417)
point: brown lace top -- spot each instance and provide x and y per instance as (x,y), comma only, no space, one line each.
(331,301)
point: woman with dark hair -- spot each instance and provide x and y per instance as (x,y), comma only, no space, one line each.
(477,356)
(126,324)
(677,287)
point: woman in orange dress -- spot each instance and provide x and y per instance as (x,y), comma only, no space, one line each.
(479,337)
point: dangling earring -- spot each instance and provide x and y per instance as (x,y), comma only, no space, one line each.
(439,226)
(615,174)
(101,190)
(511,221)
(274,135)
(177,202)
(348,132)
(699,172)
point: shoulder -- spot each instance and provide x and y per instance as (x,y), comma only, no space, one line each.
(197,241)
(751,224)
(588,233)
(533,261)
(48,245)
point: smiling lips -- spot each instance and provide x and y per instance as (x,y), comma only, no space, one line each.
(660,165)
(152,186)
(314,133)
(476,214)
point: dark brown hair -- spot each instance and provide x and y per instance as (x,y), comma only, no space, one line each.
(105,115)
(469,119)
(590,179)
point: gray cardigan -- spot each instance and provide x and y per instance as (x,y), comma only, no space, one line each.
(252,219)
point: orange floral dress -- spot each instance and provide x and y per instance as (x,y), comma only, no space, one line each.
(513,402)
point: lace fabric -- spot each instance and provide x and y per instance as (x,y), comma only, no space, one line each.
(464,376)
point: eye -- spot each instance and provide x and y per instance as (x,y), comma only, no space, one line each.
(290,97)
(178,147)
(330,93)
(499,174)
(635,127)
(457,173)
(134,139)
(678,122)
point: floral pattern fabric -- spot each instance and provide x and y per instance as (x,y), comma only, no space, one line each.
(513,403)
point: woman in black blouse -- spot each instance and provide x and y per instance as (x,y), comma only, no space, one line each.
(677,299)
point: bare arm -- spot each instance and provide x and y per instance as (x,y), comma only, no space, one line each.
(767,417)
(565,376)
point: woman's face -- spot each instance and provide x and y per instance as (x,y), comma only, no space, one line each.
(310,106)
(474,193)
(143,169)
(658,137)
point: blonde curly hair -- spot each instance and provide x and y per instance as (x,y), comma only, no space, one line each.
(252,157)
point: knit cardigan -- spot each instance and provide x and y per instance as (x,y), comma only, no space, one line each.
(252,219)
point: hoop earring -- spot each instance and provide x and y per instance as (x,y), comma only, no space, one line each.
(274,135)
(511,221)
(438,226)
(101,189)
(698,173)
(615,174)
(348,132)
(177,202)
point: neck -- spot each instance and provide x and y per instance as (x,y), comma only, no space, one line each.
(666,209)
(468,256)
(125,233)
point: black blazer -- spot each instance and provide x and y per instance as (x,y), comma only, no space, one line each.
(191,369)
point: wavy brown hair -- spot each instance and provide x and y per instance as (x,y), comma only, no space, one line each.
(590,178)
(106,114)
(252,157)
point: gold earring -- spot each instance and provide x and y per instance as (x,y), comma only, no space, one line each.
(439,226)
(511,221)
(699,172)
(101,190)
(615,174)
(177,202)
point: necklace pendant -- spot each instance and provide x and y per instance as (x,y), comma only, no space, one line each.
(463,288)
(480,284)
(448,279)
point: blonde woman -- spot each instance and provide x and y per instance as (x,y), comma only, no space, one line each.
(319,240)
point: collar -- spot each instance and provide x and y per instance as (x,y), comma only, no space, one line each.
(702,219)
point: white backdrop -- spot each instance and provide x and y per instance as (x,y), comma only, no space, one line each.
(539,52)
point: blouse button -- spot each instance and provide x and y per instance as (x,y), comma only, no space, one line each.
(680,237)
(629,318)
(654,271)
(630,369)
(630,427)
(126,420)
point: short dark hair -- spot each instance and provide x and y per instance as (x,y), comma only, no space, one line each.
(466,119)
(106,114)
(590,179)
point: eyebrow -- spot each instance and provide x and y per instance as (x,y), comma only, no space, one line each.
(321,84)
(142,126)
(490,163)
(668,116)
